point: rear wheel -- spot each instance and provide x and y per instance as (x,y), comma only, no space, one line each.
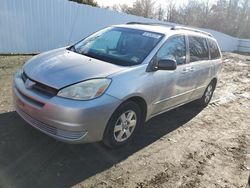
(123,125)
(207,96)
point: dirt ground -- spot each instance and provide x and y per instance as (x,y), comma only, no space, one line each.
(186,147)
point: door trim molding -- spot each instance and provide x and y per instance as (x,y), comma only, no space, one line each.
(166,99)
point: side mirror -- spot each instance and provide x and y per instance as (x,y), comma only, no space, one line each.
(166,64)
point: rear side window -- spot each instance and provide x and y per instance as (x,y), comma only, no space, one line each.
(174,48)
(214,50)
(198,49)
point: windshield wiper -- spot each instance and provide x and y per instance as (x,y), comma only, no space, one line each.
(90,55)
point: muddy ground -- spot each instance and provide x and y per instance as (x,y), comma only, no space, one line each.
(185,147)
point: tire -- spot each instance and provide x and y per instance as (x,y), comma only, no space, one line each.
(123,125)
(207,96)
(248,181)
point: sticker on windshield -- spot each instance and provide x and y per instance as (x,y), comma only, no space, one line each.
(152,35)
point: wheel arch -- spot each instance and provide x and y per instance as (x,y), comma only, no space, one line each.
(142,103)
(136,99)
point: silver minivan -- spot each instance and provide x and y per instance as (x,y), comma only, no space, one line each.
(104,87)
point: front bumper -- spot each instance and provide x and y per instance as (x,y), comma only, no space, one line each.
(64,119)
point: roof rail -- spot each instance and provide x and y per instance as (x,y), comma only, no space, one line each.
(142,23)
(191,29)
(151,23)
(173,27)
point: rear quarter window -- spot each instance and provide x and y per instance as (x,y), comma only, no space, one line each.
(214,49)
(198,49)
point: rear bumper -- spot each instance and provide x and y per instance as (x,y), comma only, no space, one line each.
(64,119)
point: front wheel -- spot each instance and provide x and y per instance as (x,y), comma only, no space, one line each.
(123,125)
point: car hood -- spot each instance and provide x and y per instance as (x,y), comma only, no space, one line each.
(60,68)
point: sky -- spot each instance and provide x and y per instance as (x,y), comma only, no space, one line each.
(130,2)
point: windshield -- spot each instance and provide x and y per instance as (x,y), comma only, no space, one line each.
(121,46)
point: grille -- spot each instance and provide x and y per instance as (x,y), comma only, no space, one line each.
(34,102)
(45,89)
(71,135)
(40,87)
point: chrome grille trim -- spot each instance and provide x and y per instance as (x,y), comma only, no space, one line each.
(70,135)
(40,87)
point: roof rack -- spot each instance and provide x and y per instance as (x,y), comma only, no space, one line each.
(173,27)
(191,29)
(142,23)
(153,23)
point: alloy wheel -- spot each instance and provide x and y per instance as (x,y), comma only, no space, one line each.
(125,125)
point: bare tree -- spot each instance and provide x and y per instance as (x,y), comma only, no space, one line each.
(229,16)
(87,2)
(160,13)
(144,8)
(171,11)
(244,15)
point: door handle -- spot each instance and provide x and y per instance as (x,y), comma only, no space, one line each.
(187,69)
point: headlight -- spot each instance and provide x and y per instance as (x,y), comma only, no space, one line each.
(85,90)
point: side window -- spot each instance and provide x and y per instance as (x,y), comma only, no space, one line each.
(174,48)
(214,50)
(198,49)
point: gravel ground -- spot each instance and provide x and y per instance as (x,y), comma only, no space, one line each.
(185,147)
